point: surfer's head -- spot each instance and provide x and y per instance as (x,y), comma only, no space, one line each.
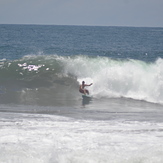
(83,82)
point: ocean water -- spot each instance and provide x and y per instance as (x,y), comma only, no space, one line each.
(43,117)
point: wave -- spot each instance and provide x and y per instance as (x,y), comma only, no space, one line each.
(35,78)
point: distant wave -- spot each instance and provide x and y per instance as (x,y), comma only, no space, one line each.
(34,78)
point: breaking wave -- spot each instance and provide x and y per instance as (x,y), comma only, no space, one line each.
(36,78)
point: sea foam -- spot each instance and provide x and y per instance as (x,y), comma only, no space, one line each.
(119,78)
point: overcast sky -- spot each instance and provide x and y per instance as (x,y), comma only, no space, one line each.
(146,13)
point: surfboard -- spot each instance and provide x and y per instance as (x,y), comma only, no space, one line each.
(86,96)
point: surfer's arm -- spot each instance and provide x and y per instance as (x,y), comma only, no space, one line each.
(88,84)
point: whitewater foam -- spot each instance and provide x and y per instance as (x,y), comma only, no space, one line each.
(119,78)
(48,138)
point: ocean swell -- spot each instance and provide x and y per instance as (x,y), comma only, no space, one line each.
(36,78)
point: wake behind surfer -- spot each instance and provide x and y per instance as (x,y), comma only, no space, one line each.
(82,88)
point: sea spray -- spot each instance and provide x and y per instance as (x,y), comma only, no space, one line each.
(119,78)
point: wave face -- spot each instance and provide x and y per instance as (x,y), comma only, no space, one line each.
(40,79)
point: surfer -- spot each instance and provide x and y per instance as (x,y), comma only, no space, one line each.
(81,88)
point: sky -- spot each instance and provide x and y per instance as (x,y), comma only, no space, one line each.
(136,13)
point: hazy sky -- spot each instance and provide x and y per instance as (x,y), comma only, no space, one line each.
(148,13)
